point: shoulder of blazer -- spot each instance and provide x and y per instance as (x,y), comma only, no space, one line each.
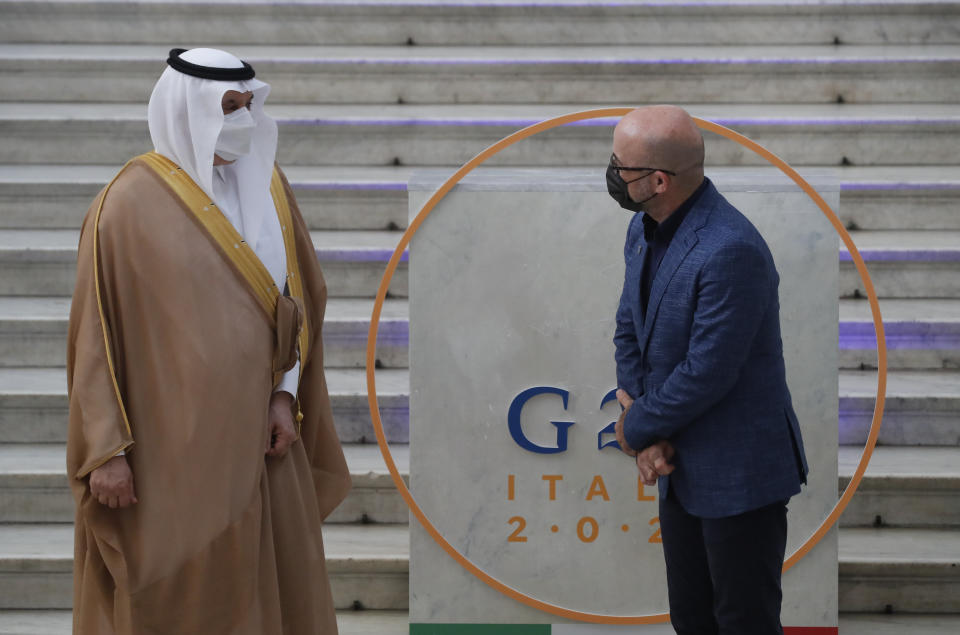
(701,214)
(724,220)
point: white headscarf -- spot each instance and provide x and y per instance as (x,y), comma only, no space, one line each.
(185,117)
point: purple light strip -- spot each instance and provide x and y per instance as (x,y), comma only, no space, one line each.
(333,185)
(901,335)
(379,254)
(394,331)
(373,254)
(899,186)
(834,122)
(853,335)
(607,4)
(609,122)
(413,121)
(402,186)
(515,62)
(905,255)
(949,343)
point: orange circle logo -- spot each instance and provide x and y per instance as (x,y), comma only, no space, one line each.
(444,189)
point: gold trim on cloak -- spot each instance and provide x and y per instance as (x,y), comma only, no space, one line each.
(230,242)
(294,277)
(107,348)
(233,247)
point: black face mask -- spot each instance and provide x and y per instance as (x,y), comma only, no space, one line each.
(618,190)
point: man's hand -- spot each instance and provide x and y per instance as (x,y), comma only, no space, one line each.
(280,423)
(654,462)
(112,484)
(625,402)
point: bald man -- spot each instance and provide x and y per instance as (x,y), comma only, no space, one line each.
(700,373)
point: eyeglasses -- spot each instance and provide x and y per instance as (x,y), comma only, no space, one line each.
(615,164)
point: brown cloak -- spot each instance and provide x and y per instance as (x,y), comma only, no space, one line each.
(224,539)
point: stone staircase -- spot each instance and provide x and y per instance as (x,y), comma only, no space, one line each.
(365,92)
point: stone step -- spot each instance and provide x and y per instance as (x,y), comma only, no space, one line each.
(33,405)
(34,485)
(58,622)
(441,135)
(898,624)
(900,570)
(33,332)
(921,334)
(330,198)
(349,198)
(43,262)
(903,486)
(902,264)
(513,74)
(345,327)
(366,563)
(922,408)
(911,570)
(482,22)
(900,197)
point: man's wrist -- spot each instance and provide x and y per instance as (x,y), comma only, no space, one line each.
(635,439)
(284,395)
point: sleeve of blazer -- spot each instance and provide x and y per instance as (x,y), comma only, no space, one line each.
(627,354)
(735,289)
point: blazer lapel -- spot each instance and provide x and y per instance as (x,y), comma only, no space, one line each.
(680,246)
(637,277)
(683,241)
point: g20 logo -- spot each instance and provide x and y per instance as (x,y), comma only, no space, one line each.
(516,430)
(588,528)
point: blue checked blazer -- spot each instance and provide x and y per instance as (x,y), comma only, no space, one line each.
(705,364)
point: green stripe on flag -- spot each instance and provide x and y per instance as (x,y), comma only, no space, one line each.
(480,629)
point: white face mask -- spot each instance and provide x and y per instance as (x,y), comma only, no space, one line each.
(235,135)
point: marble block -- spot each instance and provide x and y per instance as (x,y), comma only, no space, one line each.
(514,280)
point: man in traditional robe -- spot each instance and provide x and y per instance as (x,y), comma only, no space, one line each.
(201,453)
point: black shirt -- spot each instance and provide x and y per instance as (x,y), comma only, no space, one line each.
(658,237)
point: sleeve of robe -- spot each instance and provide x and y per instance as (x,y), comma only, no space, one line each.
(331,476)
(290,380)
(98,425)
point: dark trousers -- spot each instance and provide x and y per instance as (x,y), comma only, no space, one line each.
(723,574)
